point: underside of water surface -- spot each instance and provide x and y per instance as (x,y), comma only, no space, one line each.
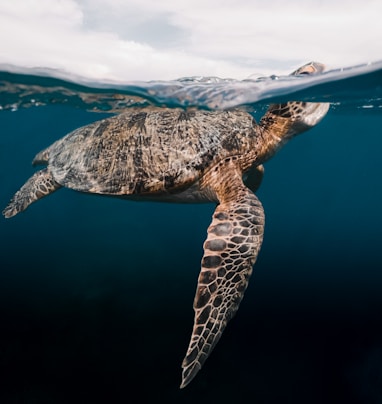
(357,86)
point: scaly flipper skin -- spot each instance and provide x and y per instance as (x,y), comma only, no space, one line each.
(233,242)
(39,185)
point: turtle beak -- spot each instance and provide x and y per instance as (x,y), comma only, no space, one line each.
(316,113)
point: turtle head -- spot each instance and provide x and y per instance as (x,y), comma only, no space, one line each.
(307,114)
(286,120)
(294,117)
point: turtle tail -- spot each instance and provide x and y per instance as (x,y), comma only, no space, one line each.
(39,185)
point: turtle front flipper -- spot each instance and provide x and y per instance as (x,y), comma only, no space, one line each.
(39,185)
(252,179)
(233,242)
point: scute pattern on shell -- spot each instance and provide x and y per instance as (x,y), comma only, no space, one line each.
(151,150)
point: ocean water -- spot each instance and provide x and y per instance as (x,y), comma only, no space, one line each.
(96,293)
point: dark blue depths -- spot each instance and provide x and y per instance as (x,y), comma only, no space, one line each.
(96,293)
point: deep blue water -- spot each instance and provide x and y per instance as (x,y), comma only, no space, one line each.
(96,293)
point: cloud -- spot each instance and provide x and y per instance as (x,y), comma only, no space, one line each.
(149,39)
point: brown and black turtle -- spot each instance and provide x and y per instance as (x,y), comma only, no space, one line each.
(189,156)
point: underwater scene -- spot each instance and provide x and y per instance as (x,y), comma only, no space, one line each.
(96,293)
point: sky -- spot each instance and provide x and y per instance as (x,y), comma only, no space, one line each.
(130,40)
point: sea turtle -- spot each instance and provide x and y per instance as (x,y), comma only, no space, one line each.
(179,155)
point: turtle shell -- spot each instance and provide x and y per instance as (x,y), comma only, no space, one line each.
(146,151)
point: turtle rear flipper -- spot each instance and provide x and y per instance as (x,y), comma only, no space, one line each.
(42,157)
(39,185)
